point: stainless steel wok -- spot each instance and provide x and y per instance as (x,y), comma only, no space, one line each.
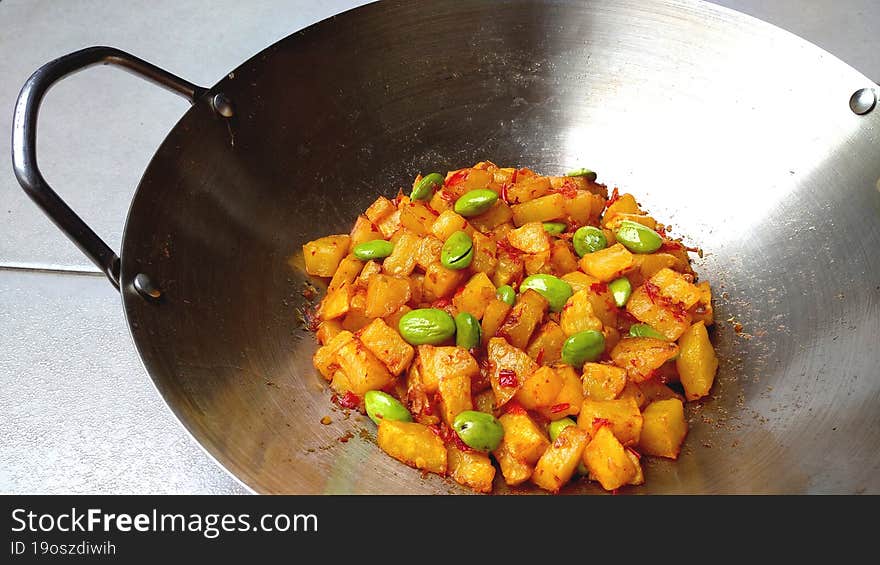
(752,141)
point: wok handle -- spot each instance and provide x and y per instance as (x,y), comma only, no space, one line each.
(24,141)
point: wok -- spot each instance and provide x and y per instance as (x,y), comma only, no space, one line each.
(756,145)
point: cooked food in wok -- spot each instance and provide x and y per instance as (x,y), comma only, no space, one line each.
(499,317)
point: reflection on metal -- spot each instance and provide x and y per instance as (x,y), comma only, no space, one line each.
(222,105)
(863,100)
(146,288)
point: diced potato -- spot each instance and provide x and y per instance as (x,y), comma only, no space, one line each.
(577,314)
(702,310)
(390,224)
(380,209)
(364,370)
(634,391)
(622,415)
(413,444)
(364,230)
(654,390)
(485,401)
(355,319)
(530,238)
(508,369)
(607,264)
(322,256)
(534,263)
(578,280)
(335,304)
(348,270)
(528,189)
(568,401)
(603,382)
(441,282)
(639,477)
(525,439)
(513,470)
(607,460)
(447,224)
(584,207)
(441,201)
(614,222)
(455,395)
(559,461)
(546,345)
(475,296)
(697,362)
(625,204)
(675,287)
(327,330)
(387,345)
(652,311)
(522,320)
(540,389)
(417,217)
(562,258)
(324,358)
(472,469)
(543,209)
(494,315)
(664,428)
(498,214)
(641,356)
(464,180)
(385,295)
(602,301)
(485,254)
(437,363)
(429,251)
(417,399)
(508,269)
(370,268)
(393,320)
(646,265)
(402,260)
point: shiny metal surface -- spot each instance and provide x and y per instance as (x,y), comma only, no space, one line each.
(737,131)
(863,101)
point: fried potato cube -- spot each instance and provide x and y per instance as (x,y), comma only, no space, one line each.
(577,314)
(528,189)
(583,207)
(476,295)
(522,320)
(485,254)
(429,251)
(500,213)
(625,204)
(559,461)
(654,390)
(465,180)
(446,224)
(578,280)
(540,389)
(602,301)
(664,428)
(634,457)
(370,268)
(543,209)
(513,470)
(364,230)
(472,469)
(508,269)
(441,201)
(324,358)
(546,345)
(524,439)
(335,304)
(455,395)
(327,330)
(602,382)
(494,315)
(607,460)
(607,264)
(390,224)
(402,260)
(641,356)
(346,273)
(438,363)
(417,400)
(646,265)
(508,369)
(534,263)
(413,444)
(380,209)
(387,345)
(634,392)
(530,238)
(440,282)
(614,222)
(702,310)
(562,258)
(393,319)
(622,415)
(675,287)
(417,217)
(568,401)
(385,295)
(322,256)
(363,370)
(668,321)
(697,362)
(485,401)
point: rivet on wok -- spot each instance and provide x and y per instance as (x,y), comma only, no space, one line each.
(222,105)
(146,288)
(863,101)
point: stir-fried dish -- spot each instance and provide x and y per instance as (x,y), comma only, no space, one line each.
(495,318)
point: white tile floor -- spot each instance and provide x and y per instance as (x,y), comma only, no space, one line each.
(78,412)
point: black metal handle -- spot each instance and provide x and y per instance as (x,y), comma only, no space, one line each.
(24,140)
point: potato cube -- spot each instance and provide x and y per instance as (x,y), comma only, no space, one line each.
(441,282)
(485,254)
(559,461)
(385,295)
(508,369)
(494,315)
(402,260)
(642,356)
(534,263)
(508,269)
(522,320)
(364,370)
(464,180)
(380,209)
(513,470)
(437,363)
(577,314)
(472,469)
(578,280)
(607,460)
(324,358)
(702,310)
(413,444)
(390,224)
(607,264)
(524,439)
(543,209)
(429,251)
(697,362)
(447,224)
(387,345)
(664,428)
(622,415)
(485,401)
(335,304)
(634,392)
(417,399)
(584,207)
(546,345)
(530,238)
(646,265)
(625,204)
(652,310)
(654,390)
(528,189)
(635,459)
(393,319)
(322,256)
(614,222)
(602,382)
(676,288)
(417,217)
(327,330)
(475,296)
(499,213)
(568,401)
(347,272)
(441,201)
(370,268)
(455,395)
(540,389)
(562,258)
(364,230)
